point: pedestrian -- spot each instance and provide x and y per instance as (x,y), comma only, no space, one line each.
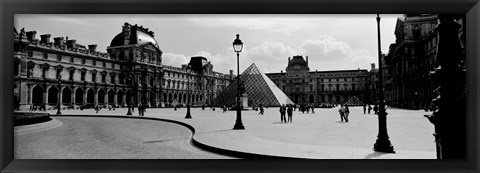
(97,109)
(140,110)
(369,108)
(290,112)
(203,107)
(261,110)
(341,111)
(313,106)
(224,108)
(375,109)
(364,109)
(347,112)
(307,108)
(282,113)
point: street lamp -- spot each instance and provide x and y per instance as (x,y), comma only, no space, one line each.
(188,69)
(59,89)
(129,81)
(383,143)
(237,47)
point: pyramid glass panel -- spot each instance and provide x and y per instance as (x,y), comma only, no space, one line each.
(258,87)
(354,101)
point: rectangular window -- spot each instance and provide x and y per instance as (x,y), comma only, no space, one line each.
(103,78)
(94,77)
(71,74)
(112,79)
(83,76)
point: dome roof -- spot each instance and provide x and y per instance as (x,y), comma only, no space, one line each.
(117,40)
(297,63)
(138,38)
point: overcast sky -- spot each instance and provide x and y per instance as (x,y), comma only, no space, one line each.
(332,42)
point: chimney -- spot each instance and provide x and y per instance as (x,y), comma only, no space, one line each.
(92,47)
(373,66)
(231,74)
(306,57)
(45,38)
(58,41)
(288,60)
(71,43)
(281,71)
(31,35)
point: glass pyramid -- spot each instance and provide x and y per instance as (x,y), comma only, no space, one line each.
(258,87)
(354,101)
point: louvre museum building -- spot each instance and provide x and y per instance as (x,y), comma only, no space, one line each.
(47,73)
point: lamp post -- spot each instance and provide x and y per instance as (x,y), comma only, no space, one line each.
(129,81)
(237,47)
(59,89)
(383,143)
(188,69)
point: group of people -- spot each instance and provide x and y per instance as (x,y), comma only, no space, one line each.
(369,108)
(286,110)
(306,108)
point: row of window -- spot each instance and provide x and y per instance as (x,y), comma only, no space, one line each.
(72,59)
(329,80)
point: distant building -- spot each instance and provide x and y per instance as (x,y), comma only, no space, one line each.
(411,59)
(205,84)
(303,86)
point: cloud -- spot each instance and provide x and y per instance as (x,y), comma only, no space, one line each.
(283,24)
(325,53)
(326,48)
(172,59)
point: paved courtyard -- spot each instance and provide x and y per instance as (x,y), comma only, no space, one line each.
(320,135)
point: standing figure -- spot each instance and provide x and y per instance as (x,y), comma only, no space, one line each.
(203,107)
(375,109)
(313,106)
(347,111)
(97,109)
(369,108)
(224,108)
(290,112)
(341,111)
(364,109)
(282,113)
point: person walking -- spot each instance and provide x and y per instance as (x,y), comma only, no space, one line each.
(341,111)
(261,110)
(97,109)
(369,108)
(140,110)
(224,108)
(282,113)
(347,112)
(313,106)
(290,112)
(364,109)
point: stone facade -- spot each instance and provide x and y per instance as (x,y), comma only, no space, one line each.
(199,86)
(303,86)
(411,59)
(130,72)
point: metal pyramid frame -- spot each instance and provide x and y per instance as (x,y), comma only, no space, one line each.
(258,87)
(354,101)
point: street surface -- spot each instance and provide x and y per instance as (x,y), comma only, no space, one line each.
(318,135)
(110,138)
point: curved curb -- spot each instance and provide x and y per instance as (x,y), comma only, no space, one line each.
(26,129)
(196,143)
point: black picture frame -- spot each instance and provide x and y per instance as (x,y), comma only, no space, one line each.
(8,8)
